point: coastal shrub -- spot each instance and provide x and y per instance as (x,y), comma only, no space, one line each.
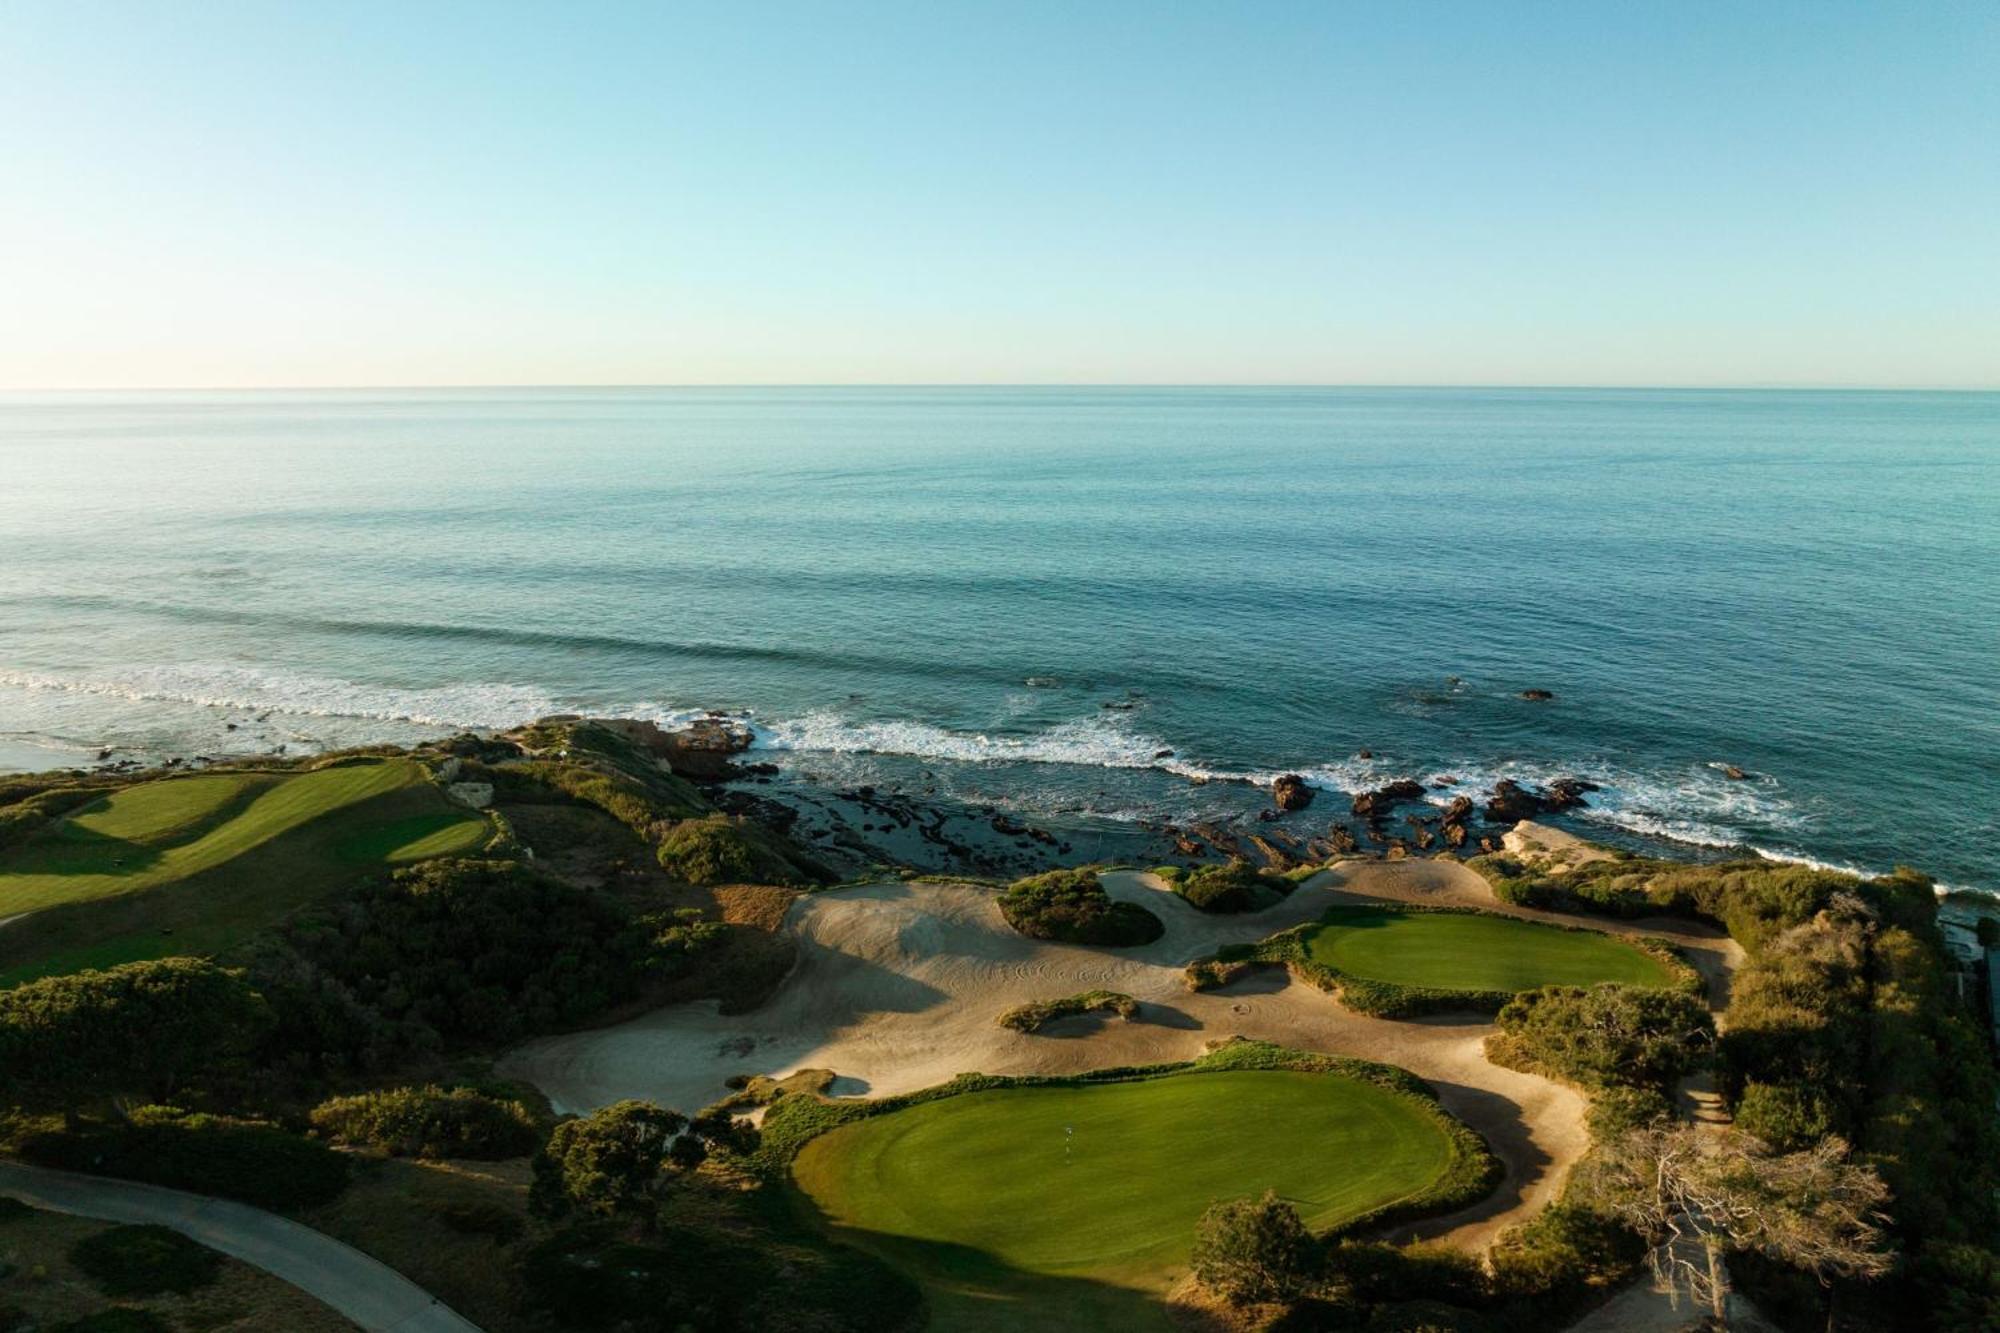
(144,1261)
(1235,887)
(1250,1250)
(1787,1116)
(1618,1109)
(430,1122)
(248,1160)
(1072,907)
(727,849)
(1603,1036)
(139,1028)
(449,954)
(1030,1017)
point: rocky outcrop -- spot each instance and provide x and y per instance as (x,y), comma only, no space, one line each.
(702,749)
(1290,792)
(1511,803)
(1375,804)
(1457,812)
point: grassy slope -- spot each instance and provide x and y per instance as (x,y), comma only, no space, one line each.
(1014,1222)
(1466,951)
(194,864)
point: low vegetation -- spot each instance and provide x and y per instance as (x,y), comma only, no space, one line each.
(430,1122)
(253,1161)
(1071,907)
(1032,1017)
(1604,1036)
(144,1261)
(1236,886)
(724,849)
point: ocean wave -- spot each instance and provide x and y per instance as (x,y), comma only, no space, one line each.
(248,689)
(1090,742)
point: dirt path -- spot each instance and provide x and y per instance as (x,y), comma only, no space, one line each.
(898,986)
(370,1293)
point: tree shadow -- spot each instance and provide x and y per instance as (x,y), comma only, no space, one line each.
(976,1291)
(1506,1133)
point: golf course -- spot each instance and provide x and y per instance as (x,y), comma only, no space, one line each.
(1472,951)
(195,863)
(1074,1198)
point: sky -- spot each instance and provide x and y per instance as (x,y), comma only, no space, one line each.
(415,193)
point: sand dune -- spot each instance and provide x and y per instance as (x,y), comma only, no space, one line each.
(898,986)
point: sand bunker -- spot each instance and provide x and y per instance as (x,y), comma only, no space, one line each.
(898,987)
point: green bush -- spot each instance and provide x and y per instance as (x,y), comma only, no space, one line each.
(429,1122)
(1615,1111)
(145,1027)
(447,955)
(1072,907)
(247,1160)
(1787,1116)
(724,849)
(1235,887)
(1603,1036)
(144,1261)
(1250,1250)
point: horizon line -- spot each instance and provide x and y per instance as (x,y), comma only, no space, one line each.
(1441,386)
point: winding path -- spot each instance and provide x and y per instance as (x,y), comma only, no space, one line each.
(370,1293)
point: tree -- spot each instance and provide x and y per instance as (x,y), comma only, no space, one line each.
(1698,1194)
(1249,1250)
(142,1027)
(609,1162)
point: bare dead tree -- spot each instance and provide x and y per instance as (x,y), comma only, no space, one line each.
(1700,1194)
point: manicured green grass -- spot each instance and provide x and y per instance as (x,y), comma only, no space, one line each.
(1473,951)
(1071,1206)
(194,864)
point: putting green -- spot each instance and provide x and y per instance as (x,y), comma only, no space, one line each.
(1479,951)
(1107,1181)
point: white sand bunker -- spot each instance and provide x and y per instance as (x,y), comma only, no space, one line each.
(898,987)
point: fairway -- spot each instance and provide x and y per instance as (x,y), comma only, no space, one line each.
(1106,1182)
(1475,951)
(192,864)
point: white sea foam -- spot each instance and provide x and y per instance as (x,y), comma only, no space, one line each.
(1100,742)
(248,689)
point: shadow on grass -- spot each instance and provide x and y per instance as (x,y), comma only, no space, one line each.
(972,1290)
(72,849)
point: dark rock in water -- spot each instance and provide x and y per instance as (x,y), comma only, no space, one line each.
(1265,816)
(1373,804)
(1119,705)
(1454,835)
(1537,696)
(1364,754)
(1733,773)
(1342,839)
(1442,781)
(1422,835)
(103,755)
(762,770)
(1291,792)
(1511,803)
(1163,754)
(1567,794)
(1457,812)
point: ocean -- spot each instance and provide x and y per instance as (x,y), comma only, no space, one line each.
(1028,597)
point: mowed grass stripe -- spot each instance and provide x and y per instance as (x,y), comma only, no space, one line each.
(1108,1181)
(126,843)
(1478,951)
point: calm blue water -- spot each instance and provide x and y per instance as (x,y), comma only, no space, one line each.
(952,583)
